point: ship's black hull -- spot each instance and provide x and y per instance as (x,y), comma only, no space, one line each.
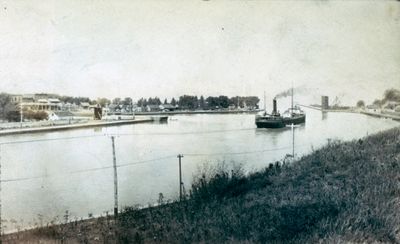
(270,123)
(279,122)
(295,120)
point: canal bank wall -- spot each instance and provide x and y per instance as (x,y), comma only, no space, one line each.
(373,114)
(382,115)
(90,124)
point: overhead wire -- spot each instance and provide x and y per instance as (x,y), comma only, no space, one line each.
(48,139)
(141,162)
(144,162)
(86,170)
(137,162)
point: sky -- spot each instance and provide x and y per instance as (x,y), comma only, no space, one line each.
(125,48)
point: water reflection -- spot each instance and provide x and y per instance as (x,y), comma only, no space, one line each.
(324,115)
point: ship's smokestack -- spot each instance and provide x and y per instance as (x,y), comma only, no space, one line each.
(274,111)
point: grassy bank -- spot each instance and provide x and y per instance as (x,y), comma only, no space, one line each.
(343,192)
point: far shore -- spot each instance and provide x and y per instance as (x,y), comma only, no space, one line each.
(359,111)
(142,117)
(199,112)
(88,122)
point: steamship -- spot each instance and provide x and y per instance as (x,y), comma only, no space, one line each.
(292,116)
(273,120)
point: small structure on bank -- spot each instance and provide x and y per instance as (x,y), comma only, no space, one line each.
(98,112)
(324,102)
(60,115)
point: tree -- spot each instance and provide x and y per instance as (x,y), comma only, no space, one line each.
(212,102)
(223,101)
(391,95)
(188,102)
(157,101)
(202,103)
(377,102)
(127,101)
(140,102)
(116,101)
(75,100)
(67,99)
(173,102)
(165,101)
(103,101)
(220,102)
(234,101)
(8,110)
(5,99)
(360,104)
(252,101)
(35,115)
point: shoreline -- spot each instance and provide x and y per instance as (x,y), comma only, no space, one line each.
(101,123)
(144,118)
(381,115)
(373,114)
(91,124)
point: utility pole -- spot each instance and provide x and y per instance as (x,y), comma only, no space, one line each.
(115,179)
(180,156)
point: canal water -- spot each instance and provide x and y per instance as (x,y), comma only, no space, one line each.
(44,175)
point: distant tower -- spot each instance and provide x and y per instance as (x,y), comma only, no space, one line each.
(324,102)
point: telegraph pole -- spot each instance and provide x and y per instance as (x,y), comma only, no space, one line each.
(115,179)
(180,156)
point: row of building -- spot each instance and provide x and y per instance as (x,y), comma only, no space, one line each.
(46,102)
(50,102)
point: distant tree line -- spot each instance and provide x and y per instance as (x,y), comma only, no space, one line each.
(143,102)
(390,95)
(195,102)
(75,100)
(184,102)
(7,108)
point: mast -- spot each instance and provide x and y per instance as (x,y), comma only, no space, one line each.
(292,96)
(265,106)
